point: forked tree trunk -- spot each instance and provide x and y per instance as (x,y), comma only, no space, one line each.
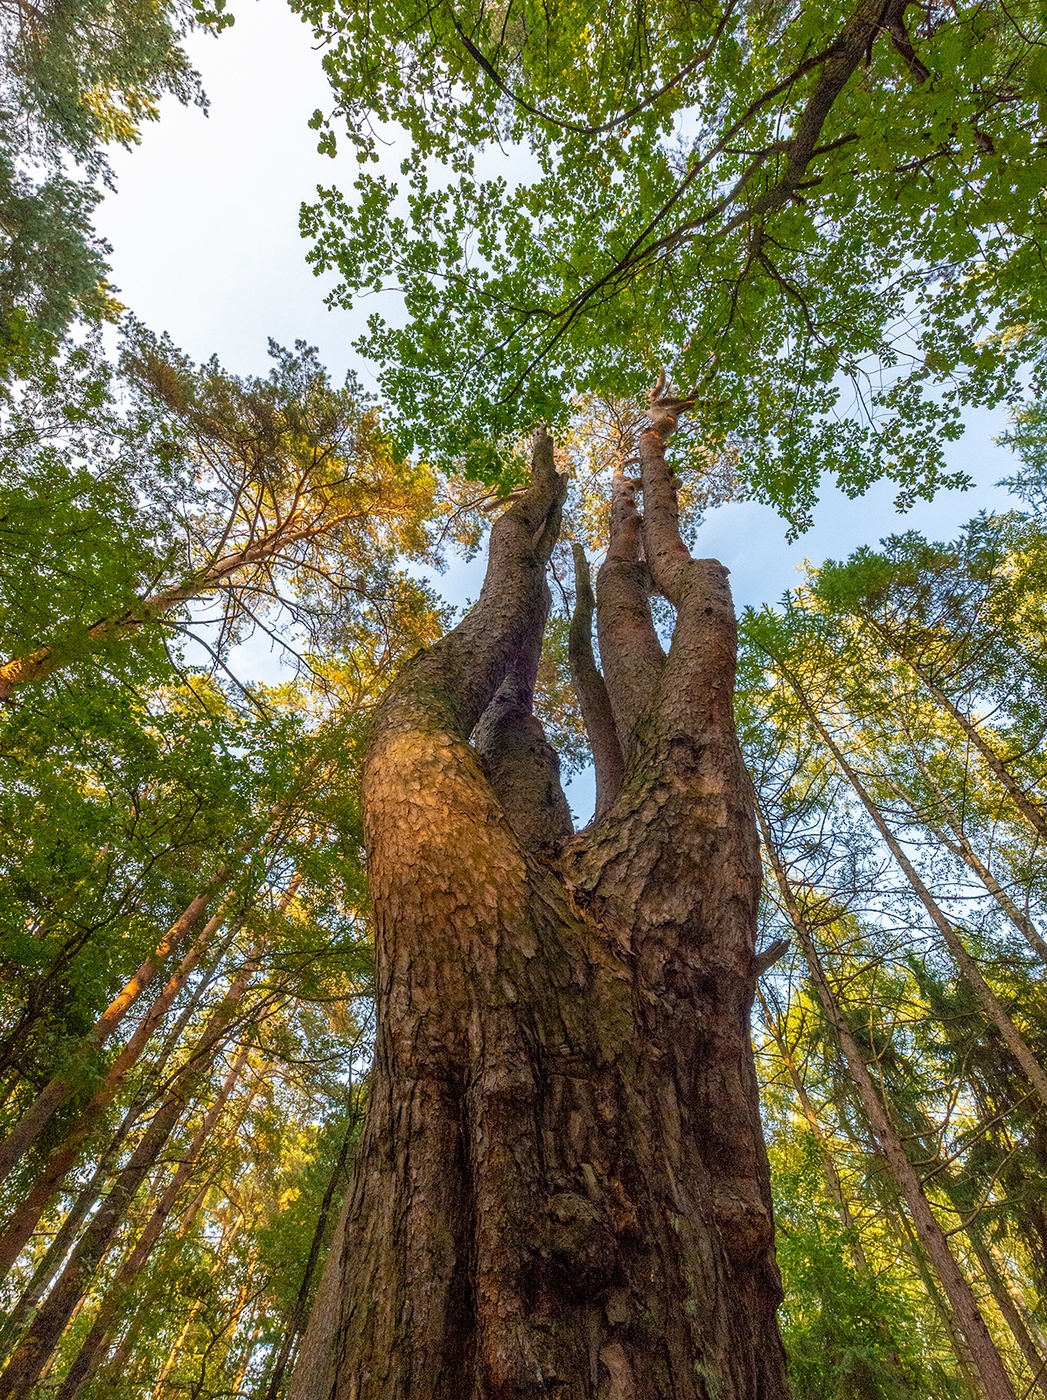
(562,1188)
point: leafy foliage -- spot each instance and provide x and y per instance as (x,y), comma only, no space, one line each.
(827,220)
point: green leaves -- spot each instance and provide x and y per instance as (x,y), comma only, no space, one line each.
(832,314)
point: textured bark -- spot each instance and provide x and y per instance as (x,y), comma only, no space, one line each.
(992,1375)
(562,1188)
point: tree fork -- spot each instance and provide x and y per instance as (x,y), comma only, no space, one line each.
(562,1187)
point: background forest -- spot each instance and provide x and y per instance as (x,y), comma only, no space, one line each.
(185,1003)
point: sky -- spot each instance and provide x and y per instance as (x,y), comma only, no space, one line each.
(204,229)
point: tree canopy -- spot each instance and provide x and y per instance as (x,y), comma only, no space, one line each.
(826,221)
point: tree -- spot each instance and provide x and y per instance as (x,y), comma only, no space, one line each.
(76,79)
(827,219)
(562,1179)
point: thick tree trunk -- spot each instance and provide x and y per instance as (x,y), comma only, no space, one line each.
(995,1383)
(562,1188)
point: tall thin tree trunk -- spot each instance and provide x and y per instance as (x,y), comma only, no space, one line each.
(986,997)
(1029,809)
(910,1242)
(832,1175)
(98,1337)
(88,1196)
(35,1349)
(37,665)
(562,1185)
(63,1085)
(1009,1312)
(991,1372)
(960,845)
(65,1156)
(296,1322)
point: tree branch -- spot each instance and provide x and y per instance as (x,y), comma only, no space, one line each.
(591,689)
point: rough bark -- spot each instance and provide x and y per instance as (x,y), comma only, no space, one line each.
(986,1359)
(562,1188)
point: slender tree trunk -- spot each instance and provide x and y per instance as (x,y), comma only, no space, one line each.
(65,1156)
(37,665)
(832,1175)
(960,845)
(994,1380)
(1009,1312)
(98,1337)
(35,1349)
(1029,809)
(986,997)
(562,1185)
(911,1244)
(297,1320)
(593,700)
(63,1085)
(91,1193)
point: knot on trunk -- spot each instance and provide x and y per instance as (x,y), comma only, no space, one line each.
(745,1226)
(581,1246)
